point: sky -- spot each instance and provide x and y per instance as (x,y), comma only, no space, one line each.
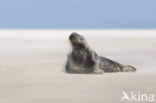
(77,14)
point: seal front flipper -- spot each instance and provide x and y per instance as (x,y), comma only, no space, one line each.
(93,62)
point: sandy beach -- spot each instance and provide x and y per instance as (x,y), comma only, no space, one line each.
(32,66)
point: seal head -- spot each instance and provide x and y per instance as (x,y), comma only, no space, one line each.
(78,42)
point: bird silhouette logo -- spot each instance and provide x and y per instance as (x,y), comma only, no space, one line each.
(125,96)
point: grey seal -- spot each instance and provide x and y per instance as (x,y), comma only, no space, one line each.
(83,59)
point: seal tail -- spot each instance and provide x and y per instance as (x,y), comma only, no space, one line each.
(127,68)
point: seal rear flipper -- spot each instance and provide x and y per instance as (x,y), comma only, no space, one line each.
(128,68)
(123,68)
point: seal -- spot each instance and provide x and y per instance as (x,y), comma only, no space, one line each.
(83,59)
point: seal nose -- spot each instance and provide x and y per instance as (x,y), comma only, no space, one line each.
(73,35)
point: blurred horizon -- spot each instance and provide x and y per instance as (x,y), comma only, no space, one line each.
(78,14)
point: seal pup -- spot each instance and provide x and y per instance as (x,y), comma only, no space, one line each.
(83,59)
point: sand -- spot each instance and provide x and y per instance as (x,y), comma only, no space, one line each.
(32,66)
